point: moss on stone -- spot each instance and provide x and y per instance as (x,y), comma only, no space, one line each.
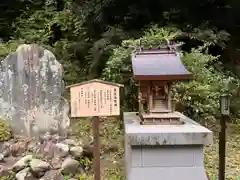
(9,176)
(5,130)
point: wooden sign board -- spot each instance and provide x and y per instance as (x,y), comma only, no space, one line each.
(95,98)
(225,105)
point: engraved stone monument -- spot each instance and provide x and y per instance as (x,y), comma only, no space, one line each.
(161,143)
(31,88)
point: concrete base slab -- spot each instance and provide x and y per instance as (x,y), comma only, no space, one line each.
(188,133)
(165,152)
(174,173)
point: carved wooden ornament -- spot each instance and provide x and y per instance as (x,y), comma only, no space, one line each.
(95,98)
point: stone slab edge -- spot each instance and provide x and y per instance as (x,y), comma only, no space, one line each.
(190,133)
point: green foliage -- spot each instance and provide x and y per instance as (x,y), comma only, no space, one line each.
(45,24)
(65,32)
(113,174)
(82,37)
(83,34)
(8,47)
(85,162)
(10,176)
(154,37)
(200,97)
(66,177)
(5,130)
(61,31)
(85,177)
(119,69)
(209,36)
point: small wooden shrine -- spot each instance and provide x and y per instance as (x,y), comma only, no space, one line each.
(155,70)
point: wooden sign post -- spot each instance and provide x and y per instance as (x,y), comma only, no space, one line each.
(225,112)
(95,98)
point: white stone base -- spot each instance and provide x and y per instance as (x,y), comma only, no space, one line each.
(165,152)
(166,163)
(175,173)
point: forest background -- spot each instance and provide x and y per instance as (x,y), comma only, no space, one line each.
(94,39)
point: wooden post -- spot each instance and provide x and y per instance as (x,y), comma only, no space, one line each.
(169,97)
(139,99)
(222,147)
(225,111)
(96,137)
(106,102)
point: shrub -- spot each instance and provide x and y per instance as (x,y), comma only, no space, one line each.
(200,96)
(5,130)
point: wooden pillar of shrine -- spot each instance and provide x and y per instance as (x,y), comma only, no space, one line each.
(150,99)
(169,97)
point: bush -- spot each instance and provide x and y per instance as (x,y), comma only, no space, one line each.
(200,96)
(7,48)
(5,130)
(11,176)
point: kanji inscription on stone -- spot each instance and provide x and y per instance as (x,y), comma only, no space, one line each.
(95,98)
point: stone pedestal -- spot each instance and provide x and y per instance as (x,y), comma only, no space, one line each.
(165,152)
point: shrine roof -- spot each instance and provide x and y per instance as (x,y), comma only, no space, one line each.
(158,65)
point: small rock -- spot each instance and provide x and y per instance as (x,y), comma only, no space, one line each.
(6,145)
(38,174)
(5,149)
(42,146)
(111,148)
(56,138)
(72,142)
(76,151)
(6,152)
(22,174)
(19,148)
(56,163)
(30,177)
(38,165)
(88,151)
(62,150)
(53,175)
(3,171)
(53,131)
(1,157)
(46,137)
(49,149)
(33,147)
(69,165)
(22,163)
